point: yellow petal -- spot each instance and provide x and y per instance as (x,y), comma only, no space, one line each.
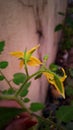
(48,75)
(34,61)
(61,93)
(64,76)
(21,64)
(33,49)
(17,54)
(50,78)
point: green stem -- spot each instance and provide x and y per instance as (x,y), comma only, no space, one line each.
(17,99)
(7,97)
(21,103)
(6,80)
(26,69)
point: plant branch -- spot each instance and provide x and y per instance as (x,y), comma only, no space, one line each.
(27,79)
(6,79)
(7,97)
(26,69)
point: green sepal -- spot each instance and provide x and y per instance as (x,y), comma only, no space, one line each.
(45,58)
(59,85)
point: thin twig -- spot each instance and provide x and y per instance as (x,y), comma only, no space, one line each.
(6,80)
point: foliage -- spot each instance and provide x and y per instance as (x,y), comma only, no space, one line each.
(65,114)
(67,30)
(6,114)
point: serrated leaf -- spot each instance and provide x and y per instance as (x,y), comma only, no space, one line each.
(25,89)
(19,78)
(58,27)
(65,113)
(2,44)
(36,107)
(7,114)
(26,100)
(3,64)
(1,77)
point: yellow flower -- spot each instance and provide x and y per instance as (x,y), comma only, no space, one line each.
(27,56)
(64,76)
(56,81)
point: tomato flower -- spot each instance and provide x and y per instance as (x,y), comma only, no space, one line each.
(27,57)
(57,81)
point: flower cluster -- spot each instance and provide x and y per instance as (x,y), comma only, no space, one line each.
(26,58)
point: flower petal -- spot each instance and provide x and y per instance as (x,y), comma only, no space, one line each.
(34,61)
(21,64)
(54,80)
(48,75)
(64,76)
(17,54)
(33,49)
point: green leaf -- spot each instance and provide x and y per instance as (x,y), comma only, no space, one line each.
(71,72)
(24,93)
(26,100)
(7,114)
(65,113)
(69,91)
(69,126)
(2,44)
(53,67)
(44,124)
(3,64)
(56,69)
(36,107)
(1,77)
(19,78)
(58,27)
(25,89)
(8,91)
